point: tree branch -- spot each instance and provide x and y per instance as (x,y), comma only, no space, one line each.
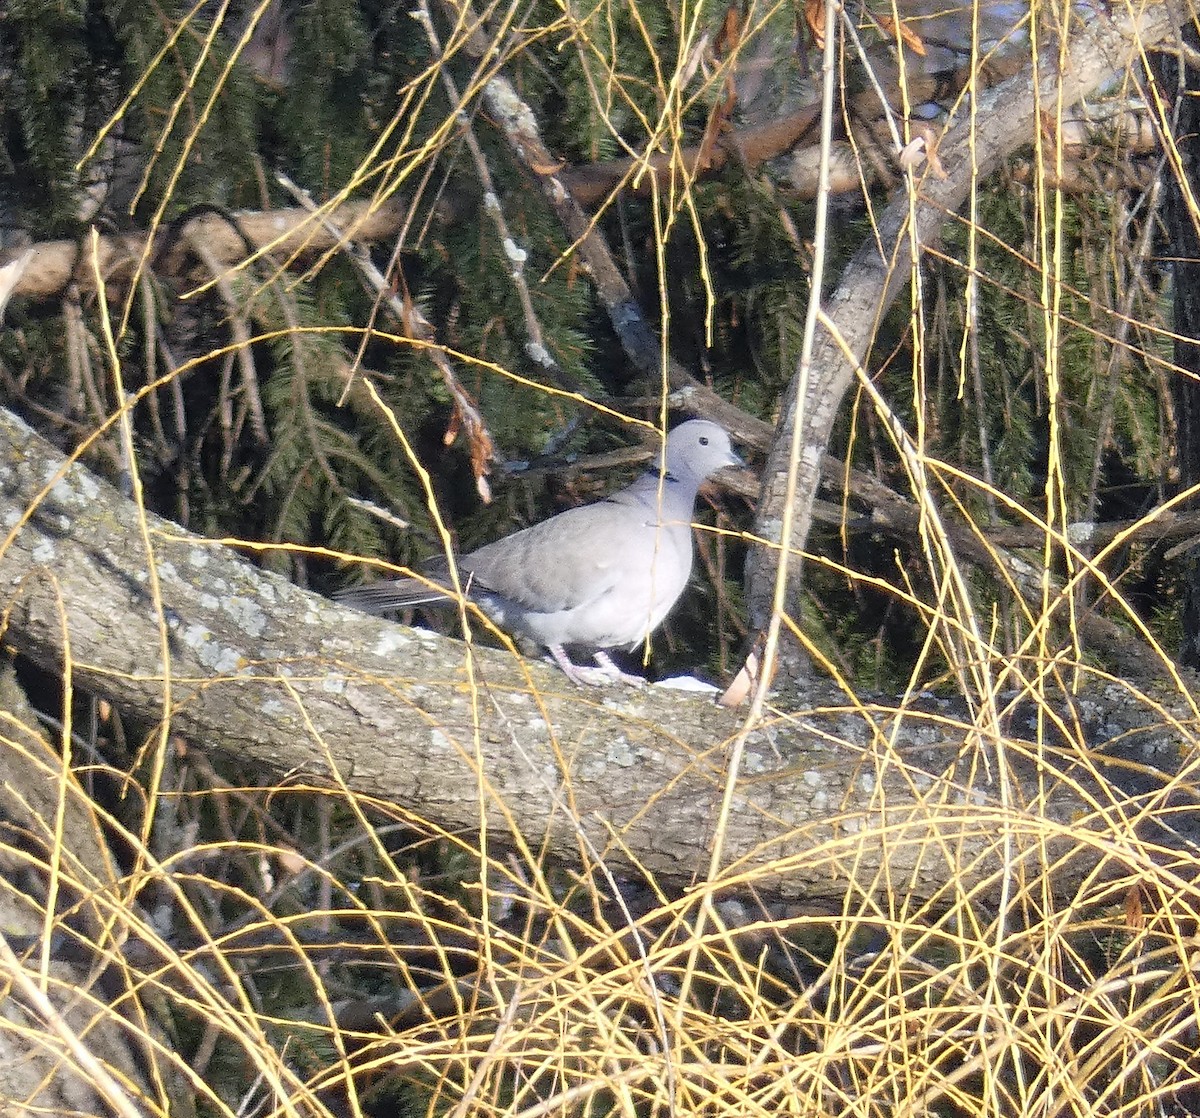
(292,683)
(287,232)
(879,270)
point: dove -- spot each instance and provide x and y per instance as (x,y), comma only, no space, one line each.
(595,577)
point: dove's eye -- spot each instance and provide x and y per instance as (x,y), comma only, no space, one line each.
(704,440)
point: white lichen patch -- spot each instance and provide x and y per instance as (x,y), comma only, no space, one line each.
(198,557)
(539,354)
(334,684)
(74,489)
(621,753)
(516,255)
(506,104)
(247,614)
(44,552)
(167,572)
(393,640)
(209,651)
(754,763)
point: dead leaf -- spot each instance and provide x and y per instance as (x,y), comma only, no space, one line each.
(290,861)
(922,148)
(748,678)
(730,34)
(453,427)
(814,16)
(906,34)
(693,62)
(743,683)
(1135,911)
(913,153)
(10,276)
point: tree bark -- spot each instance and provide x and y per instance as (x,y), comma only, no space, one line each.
(1101,49)
(455,733)
(230,238)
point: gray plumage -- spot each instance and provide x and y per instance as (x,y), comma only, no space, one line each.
(596,577)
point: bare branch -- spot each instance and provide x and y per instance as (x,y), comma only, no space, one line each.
(880,269)
(289,232)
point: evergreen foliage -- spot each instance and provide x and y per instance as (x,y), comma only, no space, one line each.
(348,96)
(262,428)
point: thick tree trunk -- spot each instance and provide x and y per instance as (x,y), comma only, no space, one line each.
(456,734)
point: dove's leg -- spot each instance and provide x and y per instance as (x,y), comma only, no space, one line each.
(602,658)
(607,672)
(573,672)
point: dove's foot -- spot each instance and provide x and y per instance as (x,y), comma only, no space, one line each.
(615,673)
(605,673)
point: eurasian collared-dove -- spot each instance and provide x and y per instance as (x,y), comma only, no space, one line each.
(599,576)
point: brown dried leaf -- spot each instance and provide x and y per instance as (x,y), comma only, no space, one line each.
(814,16)
(1135,911)
(748,678)
(923,147)
(290,861)
(730,34)
(692,64)
(743,684)
(910,38)
(10,276)
(483,450)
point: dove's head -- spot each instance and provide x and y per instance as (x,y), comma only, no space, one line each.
(697,449)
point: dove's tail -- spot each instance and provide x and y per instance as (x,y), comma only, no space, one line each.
(392,595)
